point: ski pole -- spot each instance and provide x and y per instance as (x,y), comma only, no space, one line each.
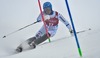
(83,30)
(18,30)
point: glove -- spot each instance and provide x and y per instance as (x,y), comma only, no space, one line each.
(71,31)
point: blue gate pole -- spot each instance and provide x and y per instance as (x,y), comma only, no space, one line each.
(79,49)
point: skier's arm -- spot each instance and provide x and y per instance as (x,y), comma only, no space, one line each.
(62,19)
(39,18)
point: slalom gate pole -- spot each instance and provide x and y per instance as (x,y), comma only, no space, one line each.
(43,20)
(79,49)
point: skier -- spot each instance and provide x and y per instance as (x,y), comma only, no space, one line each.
(52,20)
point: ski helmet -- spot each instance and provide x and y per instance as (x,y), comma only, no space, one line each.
(47,4)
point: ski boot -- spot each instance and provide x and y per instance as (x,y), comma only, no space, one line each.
(19,49)
(32,45)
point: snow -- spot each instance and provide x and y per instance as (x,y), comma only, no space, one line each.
(64,47)
(17,14)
